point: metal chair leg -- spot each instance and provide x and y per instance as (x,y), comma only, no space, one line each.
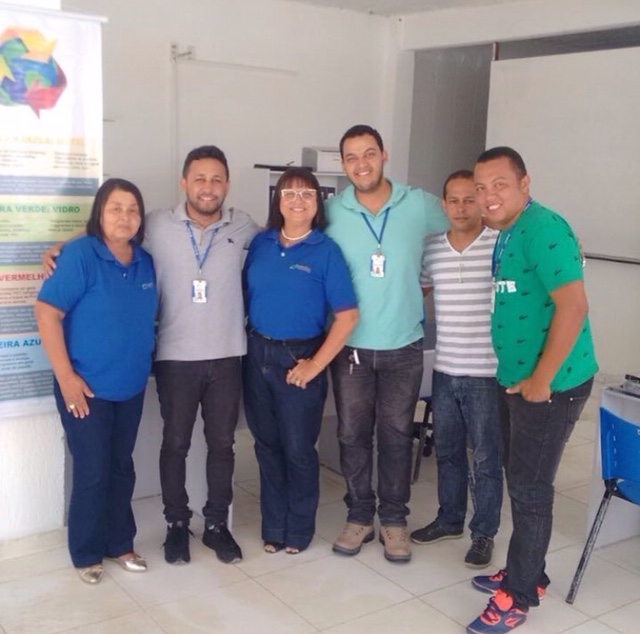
(422,439)
(591,541)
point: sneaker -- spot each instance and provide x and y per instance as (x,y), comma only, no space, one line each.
(176,544)
(218,538)
(396,543)
(500,616)
(491,583)
(434,532)
(479,555)
(350,541)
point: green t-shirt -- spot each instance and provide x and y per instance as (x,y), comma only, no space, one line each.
(535,256)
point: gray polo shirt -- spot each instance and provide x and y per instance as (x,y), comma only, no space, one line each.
(190,331)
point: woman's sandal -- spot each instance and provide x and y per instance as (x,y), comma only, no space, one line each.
(273,547)
(292,550)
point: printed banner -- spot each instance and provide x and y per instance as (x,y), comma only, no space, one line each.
(50,168)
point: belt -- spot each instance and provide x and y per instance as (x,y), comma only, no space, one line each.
(284,342)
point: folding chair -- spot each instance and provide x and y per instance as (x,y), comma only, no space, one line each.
(620,451)
(422,428)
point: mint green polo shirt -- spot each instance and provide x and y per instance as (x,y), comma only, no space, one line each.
(391,307)
(537,255)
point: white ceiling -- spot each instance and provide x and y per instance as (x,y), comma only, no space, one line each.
(401,7)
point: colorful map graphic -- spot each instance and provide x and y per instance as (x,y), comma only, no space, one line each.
(29,75)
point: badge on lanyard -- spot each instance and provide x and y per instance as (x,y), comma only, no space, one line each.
(199,286)
(377,265)
(199,291)
(377,261)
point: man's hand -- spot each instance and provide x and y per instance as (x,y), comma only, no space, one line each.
(49,259)
(531,390)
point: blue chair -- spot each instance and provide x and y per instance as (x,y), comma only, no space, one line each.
(620,448)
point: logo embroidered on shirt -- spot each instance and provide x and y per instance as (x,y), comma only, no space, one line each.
(301,267)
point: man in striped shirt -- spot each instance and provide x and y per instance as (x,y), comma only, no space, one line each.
(457,265)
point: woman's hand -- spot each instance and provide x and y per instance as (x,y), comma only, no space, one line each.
(303,372)
(75,393)
(49,259)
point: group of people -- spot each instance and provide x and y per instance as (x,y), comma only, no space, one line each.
(333,283)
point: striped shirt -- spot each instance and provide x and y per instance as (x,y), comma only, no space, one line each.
(462,295)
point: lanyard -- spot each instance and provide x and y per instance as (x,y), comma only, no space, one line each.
(384,224)
(501,245)
(196,251)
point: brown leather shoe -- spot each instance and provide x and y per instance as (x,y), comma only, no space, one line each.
(397,546)
(350,541)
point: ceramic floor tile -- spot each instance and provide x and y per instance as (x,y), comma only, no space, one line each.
(580,494)
(605,586)
(57,601)
(36,564)
(32,544)
(164,582)
(624,619)
(242,607)
(569,522)
(591,627)
(138,623)
(333,590)
(625,554)
(246,508)
(406,618)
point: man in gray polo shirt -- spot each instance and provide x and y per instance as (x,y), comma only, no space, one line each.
(198,251)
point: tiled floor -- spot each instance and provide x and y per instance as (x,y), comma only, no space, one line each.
(318,591)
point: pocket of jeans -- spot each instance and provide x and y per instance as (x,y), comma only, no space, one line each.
(575,405)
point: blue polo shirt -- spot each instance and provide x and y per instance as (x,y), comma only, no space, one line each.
(291,291)
(109,315)
(391,307)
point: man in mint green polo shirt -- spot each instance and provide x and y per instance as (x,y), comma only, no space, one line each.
(380,226)
(546,363)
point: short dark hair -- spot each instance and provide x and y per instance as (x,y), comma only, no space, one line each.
(304,175)
(360,130)
(205,152)
(503,151)
(94,228)
(465,174)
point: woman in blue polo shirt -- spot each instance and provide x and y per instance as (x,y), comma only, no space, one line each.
(296,283)
(96,321)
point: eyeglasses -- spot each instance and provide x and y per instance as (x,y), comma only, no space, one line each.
(290,195)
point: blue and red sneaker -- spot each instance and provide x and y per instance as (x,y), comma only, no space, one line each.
(491,583)
(499,617)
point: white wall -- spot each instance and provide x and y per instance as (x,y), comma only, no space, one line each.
(514,21)
(340,61)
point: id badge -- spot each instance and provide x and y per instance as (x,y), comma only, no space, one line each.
(199,291)
(377,265)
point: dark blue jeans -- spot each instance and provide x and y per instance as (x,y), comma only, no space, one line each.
(534,436)
(465,411)
(380,393)
(285,422)
(184,386)
(101,522)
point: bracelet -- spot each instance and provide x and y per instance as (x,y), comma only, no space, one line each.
(316,364)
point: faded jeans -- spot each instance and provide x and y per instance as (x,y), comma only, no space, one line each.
(465,412)
(377,394)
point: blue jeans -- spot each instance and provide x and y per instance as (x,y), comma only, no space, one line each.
(534,436)
(183,386)
(101,522)
(466,408)
(379,393)
(285,422)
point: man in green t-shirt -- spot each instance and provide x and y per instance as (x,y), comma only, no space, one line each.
(546,362)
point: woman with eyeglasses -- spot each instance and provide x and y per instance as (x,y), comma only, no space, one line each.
(301,309)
